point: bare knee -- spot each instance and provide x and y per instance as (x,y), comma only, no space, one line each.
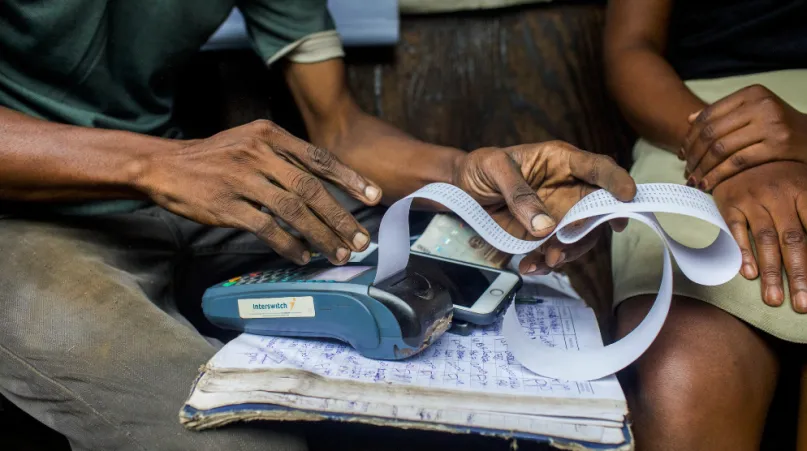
(705,383)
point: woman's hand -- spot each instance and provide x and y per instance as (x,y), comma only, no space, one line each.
(748,128)
(771,200)
(527,189)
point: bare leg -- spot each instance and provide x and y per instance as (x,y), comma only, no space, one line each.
(706,382)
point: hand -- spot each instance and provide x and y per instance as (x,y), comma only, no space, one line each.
(226,179)
(771,200)
(527,189)
(748,128)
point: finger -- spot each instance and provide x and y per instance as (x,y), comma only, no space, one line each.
(738,225)
(308,188)
(602,171)
(267,229)
(724,147)
(794,251)
(292,210)
(320,162)
(521,200)
(558,253)
(534,264)
(800,304)
(619,224)
(710,143)
(708,116)
(768,256)
(748,157)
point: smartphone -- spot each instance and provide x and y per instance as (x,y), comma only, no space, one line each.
(479,293)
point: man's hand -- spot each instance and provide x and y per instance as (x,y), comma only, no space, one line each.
(771,200)
(225,181)
(748,128)
(529,188)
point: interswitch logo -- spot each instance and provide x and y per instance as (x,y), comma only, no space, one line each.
(296,307)
(279,305)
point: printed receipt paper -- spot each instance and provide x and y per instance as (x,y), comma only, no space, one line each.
(713,265)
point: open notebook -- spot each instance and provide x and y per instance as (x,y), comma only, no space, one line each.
(461,384)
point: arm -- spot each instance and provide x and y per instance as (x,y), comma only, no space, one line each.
(45,161)
(399,163)
(654,100)
(526,188)
(220,181)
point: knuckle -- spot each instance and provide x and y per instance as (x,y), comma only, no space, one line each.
(595,169)
(263,125)
(771,274)
(766,236)
(747,254)
(341,220)
(797,275)
(268,229)
(717,148)
(704,116)
(321,157)
(738,161)
(757,90)
(736,224)
(792,238)
(783,135)
(306,186)
(707,132)
(771,108)
(290,208)
(522,195)
(561,145)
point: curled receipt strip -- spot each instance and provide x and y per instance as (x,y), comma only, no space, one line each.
(713,265)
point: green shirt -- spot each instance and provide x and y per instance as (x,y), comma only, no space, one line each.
(113,64)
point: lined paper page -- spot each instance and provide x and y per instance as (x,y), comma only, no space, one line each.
(479,362)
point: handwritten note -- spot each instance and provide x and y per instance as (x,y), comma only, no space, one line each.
(479,362)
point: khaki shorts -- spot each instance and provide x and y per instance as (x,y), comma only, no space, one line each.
(637,251)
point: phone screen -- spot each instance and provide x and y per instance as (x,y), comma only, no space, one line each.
(468,283)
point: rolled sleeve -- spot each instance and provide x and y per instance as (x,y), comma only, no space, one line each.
(299,30)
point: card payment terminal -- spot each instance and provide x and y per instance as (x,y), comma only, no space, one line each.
(389,321)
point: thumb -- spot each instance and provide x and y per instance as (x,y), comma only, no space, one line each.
(521,199)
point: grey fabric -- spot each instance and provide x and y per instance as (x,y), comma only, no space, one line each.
(101,331)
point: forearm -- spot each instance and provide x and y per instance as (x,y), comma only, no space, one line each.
(653,99)
(45,161)
(399,163)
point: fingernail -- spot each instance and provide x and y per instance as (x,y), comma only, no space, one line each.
(542,222)
(558,260)
(774,295)
(306,257)
(532,268)
(681,154)
(691,182)
(371,192)
(360,239)
(342,254)
(703,185)
(801,302)
(748,271)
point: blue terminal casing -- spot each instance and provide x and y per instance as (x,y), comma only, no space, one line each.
(393,320)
